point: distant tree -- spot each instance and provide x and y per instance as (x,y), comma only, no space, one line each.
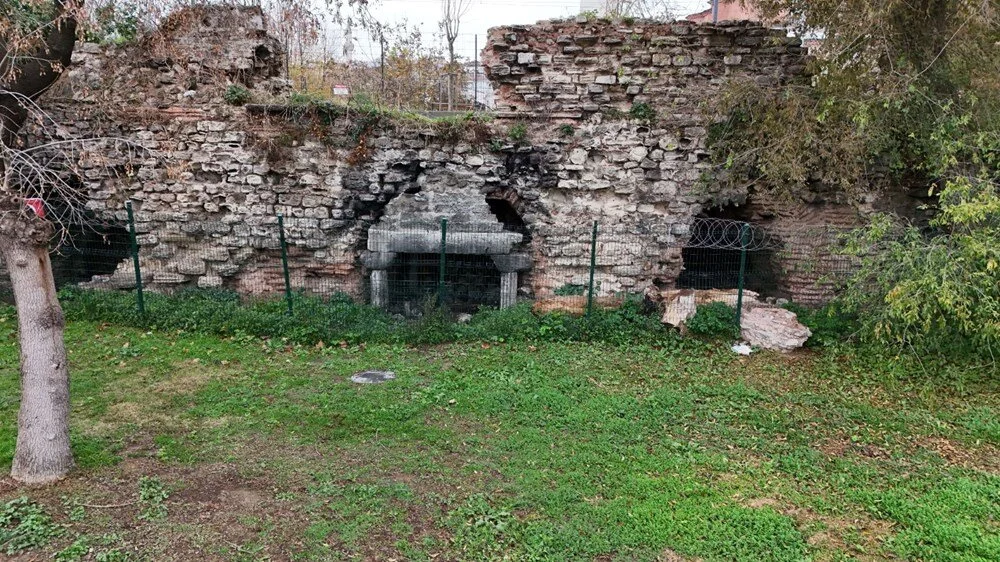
(642,9)
(297,26)
(452,12)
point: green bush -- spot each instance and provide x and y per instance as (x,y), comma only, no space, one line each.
(829,325)
(714,320)
(237,95)
(571,290)
(114,23)
(935,291)
(642,111)
(518,133)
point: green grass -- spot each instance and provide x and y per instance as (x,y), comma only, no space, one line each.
(248,448)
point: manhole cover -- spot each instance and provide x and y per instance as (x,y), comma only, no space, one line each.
(372,377)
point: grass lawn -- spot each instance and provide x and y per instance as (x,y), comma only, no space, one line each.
(195,447)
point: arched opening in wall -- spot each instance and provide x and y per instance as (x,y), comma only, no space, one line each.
(414,280)
(504,205)
(715,251)
(92,247)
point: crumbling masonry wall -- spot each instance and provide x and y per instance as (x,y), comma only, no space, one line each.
(213,176)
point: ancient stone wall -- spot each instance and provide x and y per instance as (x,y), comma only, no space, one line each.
(211,177)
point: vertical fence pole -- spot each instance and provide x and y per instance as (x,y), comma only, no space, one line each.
(284,261)
(744,241)
(475,66)
(139,301)
(441,262)
(593,266)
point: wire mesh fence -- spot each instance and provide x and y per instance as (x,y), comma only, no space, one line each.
(405,271)
(403,74)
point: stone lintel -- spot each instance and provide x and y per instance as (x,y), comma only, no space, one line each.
(429,242)
(512,262)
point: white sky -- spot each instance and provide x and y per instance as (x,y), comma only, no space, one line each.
(482,15)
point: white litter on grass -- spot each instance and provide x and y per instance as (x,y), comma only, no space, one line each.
(373,377)
(742,348)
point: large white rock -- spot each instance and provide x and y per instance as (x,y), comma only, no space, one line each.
(773,328)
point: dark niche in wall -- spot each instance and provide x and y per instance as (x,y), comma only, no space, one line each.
(470,281)
(90,247)
(712,258)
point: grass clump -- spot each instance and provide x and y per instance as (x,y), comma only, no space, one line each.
(518,133)
(642,111)
(237,95)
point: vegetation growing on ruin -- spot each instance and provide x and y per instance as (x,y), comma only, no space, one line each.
(353,123)
(903,95)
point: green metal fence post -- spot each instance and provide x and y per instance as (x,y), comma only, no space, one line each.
(744,241)
(284,262)
(139,301)
(441,264)
(593,266)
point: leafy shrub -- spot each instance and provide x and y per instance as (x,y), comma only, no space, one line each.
(518,133)
(570,290)
(237,95)
(566,130)
(625,324)
(642,111)
(829,325)
(714,320)
(936,291)
(338,318)
(25,525)
(113,23)
(508,324)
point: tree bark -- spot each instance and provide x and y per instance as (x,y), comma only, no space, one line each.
(43,452)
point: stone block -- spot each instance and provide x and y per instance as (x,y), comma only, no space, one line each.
(209,281)
(190,265)
(167,278)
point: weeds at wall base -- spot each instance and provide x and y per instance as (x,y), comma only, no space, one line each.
(339,319)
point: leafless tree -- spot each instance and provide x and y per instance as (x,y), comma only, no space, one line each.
(645,9)
(36,43)
(452,12)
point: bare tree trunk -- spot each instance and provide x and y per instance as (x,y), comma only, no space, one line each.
(43,451)
(451,71)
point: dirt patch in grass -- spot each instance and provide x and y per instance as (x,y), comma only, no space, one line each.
(671,556)
(841,447)
(188,377)
(212,511)
(984,458)
(860,536)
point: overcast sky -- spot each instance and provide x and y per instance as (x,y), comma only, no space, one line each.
(482,15)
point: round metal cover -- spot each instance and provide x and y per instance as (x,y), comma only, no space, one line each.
(373,377)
